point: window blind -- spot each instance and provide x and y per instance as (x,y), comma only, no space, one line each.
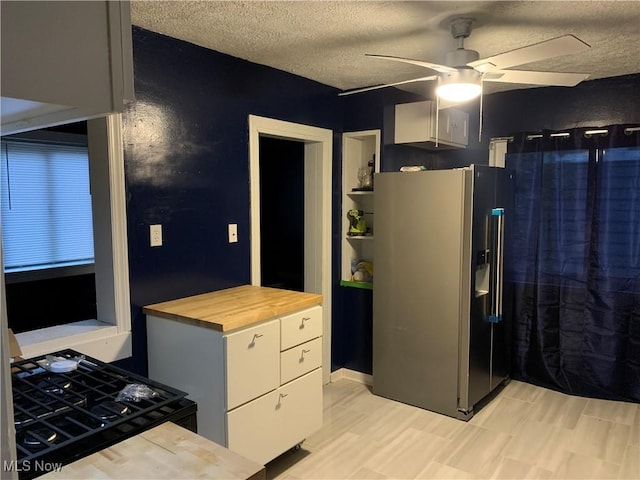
(46,206)
(618,223)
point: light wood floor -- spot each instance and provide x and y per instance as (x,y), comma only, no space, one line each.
(525,432)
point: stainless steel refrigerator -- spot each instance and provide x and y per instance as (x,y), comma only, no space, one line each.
(439,330)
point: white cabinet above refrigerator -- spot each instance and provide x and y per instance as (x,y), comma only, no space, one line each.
(421,124)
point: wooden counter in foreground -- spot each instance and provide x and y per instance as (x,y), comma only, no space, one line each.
(233,308)
(166,451)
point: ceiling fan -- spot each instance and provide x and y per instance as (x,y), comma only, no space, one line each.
(462,77)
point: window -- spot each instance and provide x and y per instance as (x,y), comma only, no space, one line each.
(47,228)
(46,203)
(576,219)
(563,194)
(108,335)
(618,228)
(551,208)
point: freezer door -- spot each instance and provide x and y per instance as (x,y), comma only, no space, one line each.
(501,355)
(487,342)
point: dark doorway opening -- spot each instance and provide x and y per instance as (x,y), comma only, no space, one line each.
(282,213)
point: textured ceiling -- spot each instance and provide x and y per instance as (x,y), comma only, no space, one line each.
(326,41)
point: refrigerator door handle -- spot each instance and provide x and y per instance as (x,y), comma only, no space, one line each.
(496,305)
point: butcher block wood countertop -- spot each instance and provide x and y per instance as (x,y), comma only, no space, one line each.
(166,451)
(233,308)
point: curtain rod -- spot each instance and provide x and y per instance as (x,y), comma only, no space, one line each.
(588,133)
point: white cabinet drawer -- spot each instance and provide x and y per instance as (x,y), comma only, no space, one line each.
(268,426)
(301,327)
(252,362)
(300,359)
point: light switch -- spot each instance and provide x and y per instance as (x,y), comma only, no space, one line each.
(233,233)
(155,233)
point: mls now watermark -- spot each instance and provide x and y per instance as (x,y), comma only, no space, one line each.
(31,466)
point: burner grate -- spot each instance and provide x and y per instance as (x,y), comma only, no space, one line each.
(56,413)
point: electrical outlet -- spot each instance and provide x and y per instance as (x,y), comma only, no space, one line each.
(233,233)
(155,234)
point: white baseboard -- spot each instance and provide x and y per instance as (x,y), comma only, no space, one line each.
(346,374)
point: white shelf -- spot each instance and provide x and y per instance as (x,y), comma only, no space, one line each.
(359,237)
(359,193)
(358,149)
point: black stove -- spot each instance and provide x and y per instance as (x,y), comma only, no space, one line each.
(61,417)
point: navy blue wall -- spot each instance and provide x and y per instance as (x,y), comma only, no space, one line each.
(187,165)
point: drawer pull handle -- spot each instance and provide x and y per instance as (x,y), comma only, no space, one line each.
(304,319)
(302,355)
(253,340)
(279,404)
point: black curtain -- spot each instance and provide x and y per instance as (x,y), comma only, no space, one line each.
(575,269)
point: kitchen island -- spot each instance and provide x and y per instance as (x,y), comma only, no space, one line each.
(232,308)
(166,451)
(251,357)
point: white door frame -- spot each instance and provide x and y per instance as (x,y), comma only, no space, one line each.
(318,145)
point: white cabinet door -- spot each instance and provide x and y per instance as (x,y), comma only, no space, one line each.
(443,122)
(414,122)
(301,408)
(268,426)
(300,359)
(253,362)
(252,429)
(301,327)
(459,121)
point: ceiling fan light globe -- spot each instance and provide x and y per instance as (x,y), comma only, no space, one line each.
(458,92)
(463,85)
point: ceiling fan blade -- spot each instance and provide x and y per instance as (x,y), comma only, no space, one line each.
(433,66)
(535,78)
(376,87)
(565,45)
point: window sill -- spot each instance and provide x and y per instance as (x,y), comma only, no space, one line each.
(91,337)
(48,273)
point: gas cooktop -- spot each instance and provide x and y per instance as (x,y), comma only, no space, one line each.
(60,417)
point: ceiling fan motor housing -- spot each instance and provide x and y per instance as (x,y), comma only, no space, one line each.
(460,57)
(461,29)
